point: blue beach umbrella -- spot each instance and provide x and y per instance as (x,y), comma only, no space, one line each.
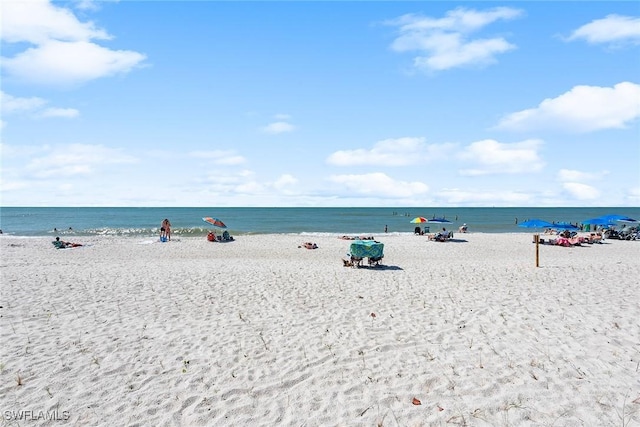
(564,226)
(598,221)
(535,223)
(439,221)
(621,218)
(629,220)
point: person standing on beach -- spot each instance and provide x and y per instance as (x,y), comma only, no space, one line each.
(165,229)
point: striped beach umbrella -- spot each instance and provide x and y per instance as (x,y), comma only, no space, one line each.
(214,221)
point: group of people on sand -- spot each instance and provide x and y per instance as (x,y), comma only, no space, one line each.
(356,237)
(226,237)
(165,235)
(569,238)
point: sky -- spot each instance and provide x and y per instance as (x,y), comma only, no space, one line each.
(320,103)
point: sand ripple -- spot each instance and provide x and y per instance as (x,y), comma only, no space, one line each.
(261,332)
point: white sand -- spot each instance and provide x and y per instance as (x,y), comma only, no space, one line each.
(261,332)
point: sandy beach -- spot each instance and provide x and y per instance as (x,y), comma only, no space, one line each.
(262,332)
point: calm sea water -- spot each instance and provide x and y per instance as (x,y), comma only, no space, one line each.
(351,221)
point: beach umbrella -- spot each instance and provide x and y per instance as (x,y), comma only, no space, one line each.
(419,220)
(621,218)
(598,221)
(536,223)
(440,221)
(565,226)
(214,221)
(629,220)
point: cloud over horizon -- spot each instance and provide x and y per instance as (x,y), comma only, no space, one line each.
(493,157)
(392,152)
(380,184)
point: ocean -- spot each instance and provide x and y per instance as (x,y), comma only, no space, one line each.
(122,221)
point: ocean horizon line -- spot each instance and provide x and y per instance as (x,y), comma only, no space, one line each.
(125,221)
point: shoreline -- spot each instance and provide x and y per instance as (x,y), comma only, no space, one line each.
(319,234)
(259,331)
(250,221)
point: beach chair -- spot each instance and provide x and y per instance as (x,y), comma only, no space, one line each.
(375,261)
(59,244)
(576,241)
(440,237)
(356,262)
(361,249)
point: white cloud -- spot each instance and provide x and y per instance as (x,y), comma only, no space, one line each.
(62,51)
(11,104)
(242,183)
(90,5)
(444,43)
(251,187)
(69,113)
(566,175)
(13,185)
(75,159)
(220,157)
(493,157)
(475,52)
(37,21)
(285,181)
(633,196)
(582,109)
(581,191)
(286,184)
(34,106)
(278,127)
(226,183)
(16,151)
(58,62)
(484,198)
(614,29)
(379,184)
(391,152)
(574,183)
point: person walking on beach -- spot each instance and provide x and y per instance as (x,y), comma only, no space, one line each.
(165,229)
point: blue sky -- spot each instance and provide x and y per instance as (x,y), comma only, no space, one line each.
(320,103)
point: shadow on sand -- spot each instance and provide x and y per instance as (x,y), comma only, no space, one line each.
(379,267)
